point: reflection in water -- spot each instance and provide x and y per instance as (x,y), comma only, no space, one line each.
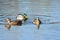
(54,23)
(8,26)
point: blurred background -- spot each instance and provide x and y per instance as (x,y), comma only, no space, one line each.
(47,7)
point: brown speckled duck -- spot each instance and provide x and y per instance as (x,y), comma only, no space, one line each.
(16,22)
(37,22)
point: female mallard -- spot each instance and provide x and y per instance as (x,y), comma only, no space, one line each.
(22,17)
(37,22)
(17,22)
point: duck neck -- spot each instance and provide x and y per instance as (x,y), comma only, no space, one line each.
(8,22)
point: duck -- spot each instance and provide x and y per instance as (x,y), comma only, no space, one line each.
(37,22)
(22,17)
(16,22)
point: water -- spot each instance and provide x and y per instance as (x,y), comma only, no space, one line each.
(28,31)
(49,14)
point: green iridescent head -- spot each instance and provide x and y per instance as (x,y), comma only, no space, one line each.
(25,14)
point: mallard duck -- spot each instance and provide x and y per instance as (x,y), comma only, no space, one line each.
(37,22)
(16,22)
(22,17)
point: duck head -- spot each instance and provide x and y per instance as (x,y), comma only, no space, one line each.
(25,17)
(8,20)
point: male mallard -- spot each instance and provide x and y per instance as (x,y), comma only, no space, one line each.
(16,22)
(37,22)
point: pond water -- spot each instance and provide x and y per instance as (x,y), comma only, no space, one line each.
(49,15)
(28,30)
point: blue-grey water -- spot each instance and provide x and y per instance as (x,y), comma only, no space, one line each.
(47,11)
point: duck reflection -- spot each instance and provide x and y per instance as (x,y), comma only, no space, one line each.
(8,26)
